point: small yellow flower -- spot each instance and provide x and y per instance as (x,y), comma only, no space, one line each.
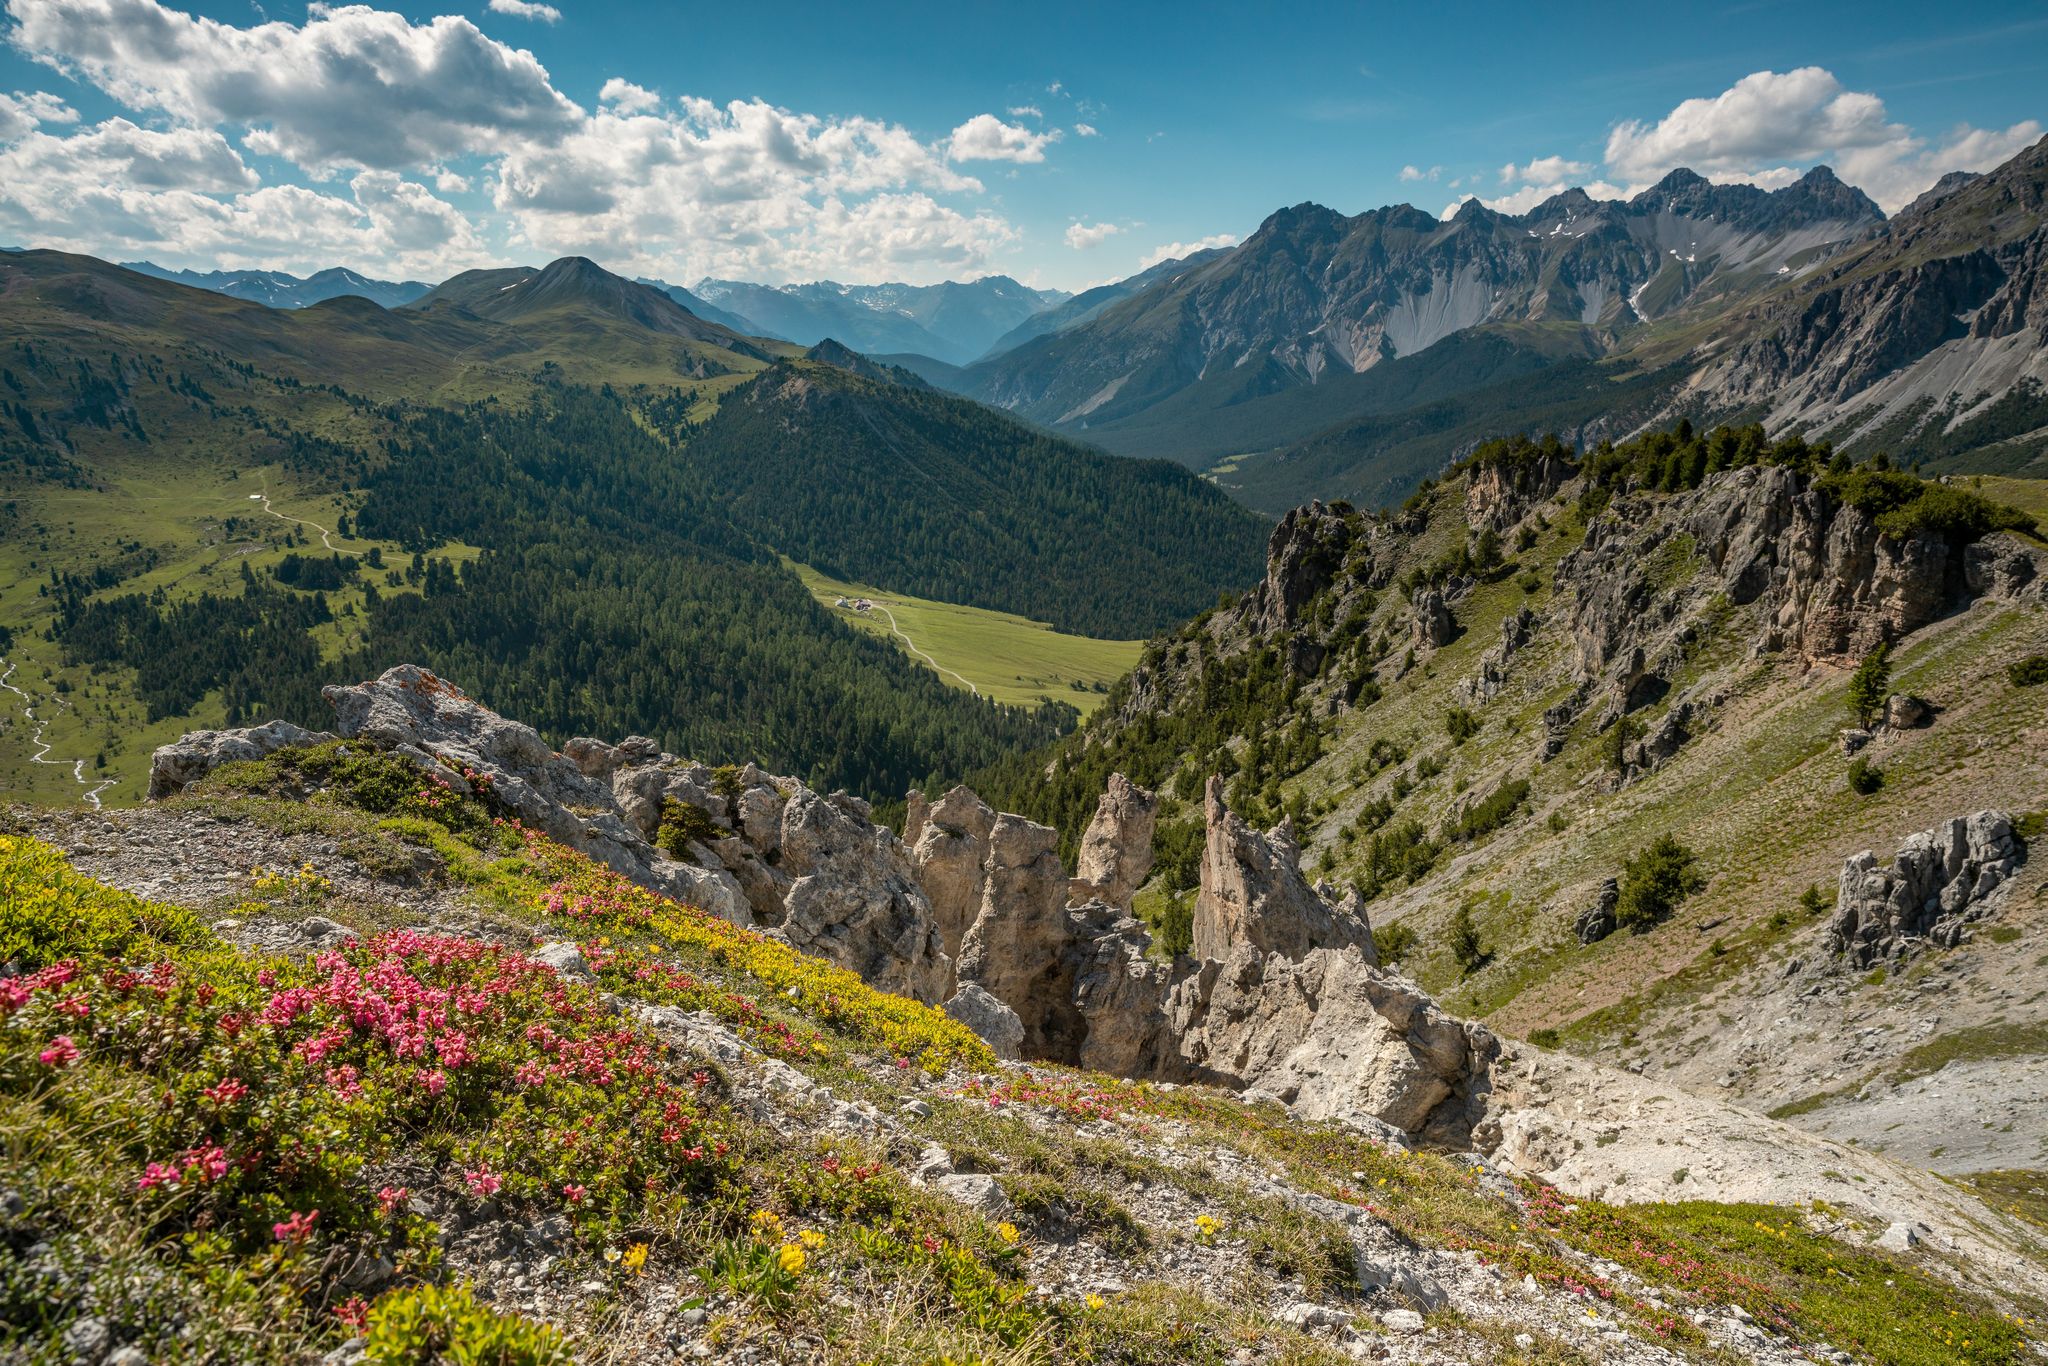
(1095,1301)
(811,1239)
(635,1258)
(790,1259)
(1207,1226)
(767,1223)
(1006,1231)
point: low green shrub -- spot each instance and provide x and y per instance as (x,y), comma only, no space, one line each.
(1864,776)
(2030,672)
(430,1325)
(1654,882)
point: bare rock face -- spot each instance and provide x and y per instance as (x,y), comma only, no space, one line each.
(1119,995)
(1492,674)
(1116,849)
(917,809)
(1336,1038)
(183,762)
(1597,921)
(1939,881)
(1253,894)
(854,897)
(951,855)
(1015,948)
(1500,493)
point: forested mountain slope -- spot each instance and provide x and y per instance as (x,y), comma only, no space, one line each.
(1480,708)
(916,490)
(213,507)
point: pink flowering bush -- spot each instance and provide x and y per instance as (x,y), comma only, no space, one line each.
(252,1099)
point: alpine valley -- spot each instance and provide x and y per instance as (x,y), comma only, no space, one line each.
(1410,789)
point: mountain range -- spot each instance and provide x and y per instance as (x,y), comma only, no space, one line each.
(952,322)
(276,289)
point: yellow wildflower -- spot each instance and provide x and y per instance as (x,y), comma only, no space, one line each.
(1095,1301)
(635,1258)
(790,1259)
(1006,1231)
(811,1239)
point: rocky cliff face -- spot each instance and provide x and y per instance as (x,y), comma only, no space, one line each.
(1946,312)
(1936,884)
(1313,293)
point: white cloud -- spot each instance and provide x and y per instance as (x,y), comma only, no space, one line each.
(402,113)
(987,138)
(527,9)
(1081,236)
(1766,130)
(1085,130)
(351,87)
(1411,173)
(628,98)
(1173,251)
(19,113)
(1026,111)
(1545,171)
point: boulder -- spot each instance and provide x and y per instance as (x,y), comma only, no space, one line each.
(1903,711)
(1933,887)
(995,1022)
(1598,921)
(1253,893)
(1434,624)
(178,765)
(1116,849)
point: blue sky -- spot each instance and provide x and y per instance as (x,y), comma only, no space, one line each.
(1062,144)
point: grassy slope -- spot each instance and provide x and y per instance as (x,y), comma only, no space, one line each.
(1110,1174)
(203,525)
(1010,658)
(1761,797)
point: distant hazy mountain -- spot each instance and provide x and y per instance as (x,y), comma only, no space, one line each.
(279,290)
(952,322)
(1089,302)
(707,310)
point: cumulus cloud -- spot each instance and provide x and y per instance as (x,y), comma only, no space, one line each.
(1770,125)
(1173,251)
(352,87)
(19,113)
(987,138)
(1545,171)
(628,98)
(527,9)
(1081,236)
(1767,130)
(399,114)
(1411,173)
(1085,130)
(1026,111)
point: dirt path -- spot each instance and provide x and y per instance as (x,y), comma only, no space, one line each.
(42,755)
(920,653)
(264,498)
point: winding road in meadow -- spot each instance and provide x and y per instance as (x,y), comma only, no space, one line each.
(42,754)
(920,653)
(264,498)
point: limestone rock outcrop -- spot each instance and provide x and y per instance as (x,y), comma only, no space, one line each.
(1434,624)
(1253,894)
(1337,1038)
(1936,884)
(1116,850)
(995,1022)
(950,852)
(183,762)
(1016,947)
(854,897)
